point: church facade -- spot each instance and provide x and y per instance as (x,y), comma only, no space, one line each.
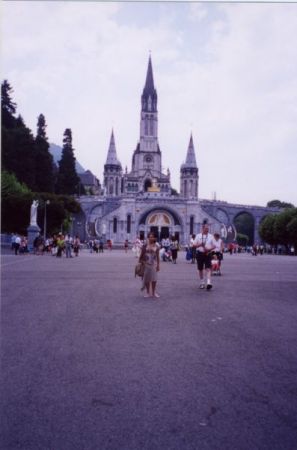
(139,201)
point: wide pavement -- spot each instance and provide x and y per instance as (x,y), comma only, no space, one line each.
(89,364)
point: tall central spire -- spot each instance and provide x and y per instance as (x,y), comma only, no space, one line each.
(149,82)
(149,96)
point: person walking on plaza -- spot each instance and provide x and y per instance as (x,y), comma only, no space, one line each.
(126,245)
(174,249)
(218,250)
(76,245)
(17,244)
(101,245)
(192,248)
(151,259)
(137,247)
(60,245)
(109,244)
(204,243)
(68,245)
(13,236)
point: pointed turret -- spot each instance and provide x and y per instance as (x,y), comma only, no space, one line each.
(112,170)
(191,157)
(189,174)
(112,153)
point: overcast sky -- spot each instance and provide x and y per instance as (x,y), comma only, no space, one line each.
(226,72)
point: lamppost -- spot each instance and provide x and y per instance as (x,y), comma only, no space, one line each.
(47,202)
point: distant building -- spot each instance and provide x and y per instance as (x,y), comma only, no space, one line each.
(90,183)
(140,200)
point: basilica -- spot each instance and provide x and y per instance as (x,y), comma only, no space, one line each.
(141,200)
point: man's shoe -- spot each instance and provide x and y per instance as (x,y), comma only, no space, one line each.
(202,286)
(209,286)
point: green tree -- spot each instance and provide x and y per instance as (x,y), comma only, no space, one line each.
(8,122)
(282,220)
(279,204)
(242,239)
(10,185)
(16,207)
(68,179)
(17,141)
(20,157)
(266,229)
(8,107)
(43,159)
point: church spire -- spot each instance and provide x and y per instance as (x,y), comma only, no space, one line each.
(189,174)
(191,157)
(112,153)
(149,82)
(149,96)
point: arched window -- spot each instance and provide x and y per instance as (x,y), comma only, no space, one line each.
(151,125)
(117,187)
(146,125)
(129,223)
(191,188)
(115,224)
(111,188)
(185,188)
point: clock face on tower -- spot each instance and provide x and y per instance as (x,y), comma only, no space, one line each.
(148,159)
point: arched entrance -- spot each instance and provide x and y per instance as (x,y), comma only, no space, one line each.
(162,222)
(159,223)
(244,223)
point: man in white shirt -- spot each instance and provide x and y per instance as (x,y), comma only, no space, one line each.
(204,243)
(17,244)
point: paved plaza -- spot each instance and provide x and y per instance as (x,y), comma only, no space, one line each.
(89,364)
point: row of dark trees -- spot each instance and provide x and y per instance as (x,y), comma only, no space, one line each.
(29,172)
(29,158)
(280,229)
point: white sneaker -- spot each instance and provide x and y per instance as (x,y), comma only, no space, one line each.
(202,285)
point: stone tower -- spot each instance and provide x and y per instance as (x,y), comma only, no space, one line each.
(146,162)
(112,171)
(189,174)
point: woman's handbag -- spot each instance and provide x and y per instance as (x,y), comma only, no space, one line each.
(188,255)
(139,269)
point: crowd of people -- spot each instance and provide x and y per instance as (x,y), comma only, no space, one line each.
(57,245)
(19,244)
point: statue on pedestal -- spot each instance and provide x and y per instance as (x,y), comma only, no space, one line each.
(33,213)
(33,229)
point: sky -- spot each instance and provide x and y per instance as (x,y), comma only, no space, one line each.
(227,72)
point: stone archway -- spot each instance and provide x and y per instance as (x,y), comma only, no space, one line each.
(162,222)
(244,223)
